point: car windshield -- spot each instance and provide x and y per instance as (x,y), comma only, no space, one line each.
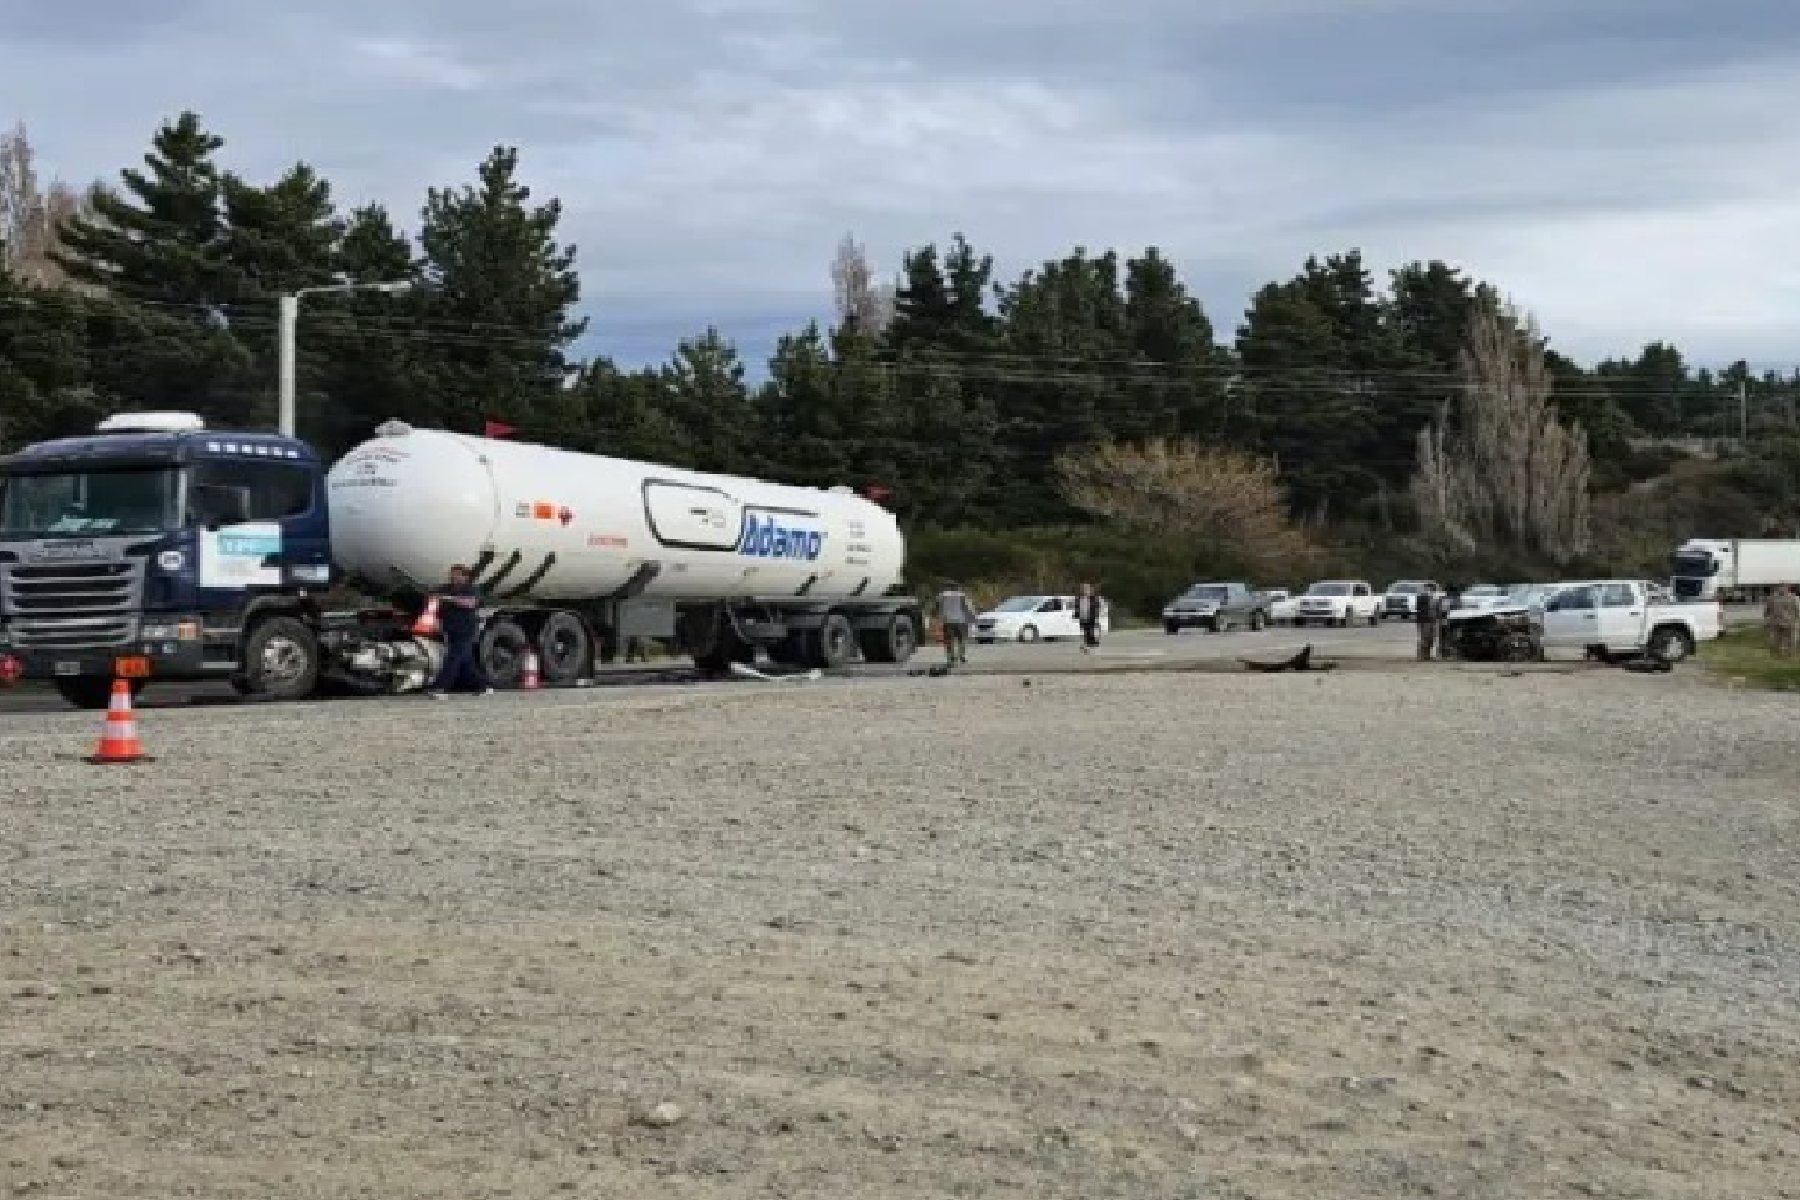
(1485,589)
(1019,604)
(1328,589)
(1206,591)
(1405,589)
(85,503)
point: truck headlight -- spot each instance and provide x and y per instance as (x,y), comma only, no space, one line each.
(171,631)
(310,573)
(171,561)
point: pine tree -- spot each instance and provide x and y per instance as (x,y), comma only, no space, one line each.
(500,293)
(160,239)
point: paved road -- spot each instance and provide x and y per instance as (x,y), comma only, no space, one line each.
(1388,640)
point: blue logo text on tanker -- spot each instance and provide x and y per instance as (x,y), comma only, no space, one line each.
(765,537)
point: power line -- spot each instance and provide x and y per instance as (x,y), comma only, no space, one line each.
(1255,381)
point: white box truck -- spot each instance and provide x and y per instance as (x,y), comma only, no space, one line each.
(1734,569)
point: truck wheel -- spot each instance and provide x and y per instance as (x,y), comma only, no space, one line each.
(1374,618)
(565,649)
(1671,643)
(1258,621)
(832,643)
(1171,627)
(501,651)
(91,692)
(281,660)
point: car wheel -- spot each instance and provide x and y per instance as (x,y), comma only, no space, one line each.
(1257,621)
(1028,634)
(1670,644)
(1170,627)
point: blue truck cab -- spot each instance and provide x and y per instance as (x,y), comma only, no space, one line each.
(157,549)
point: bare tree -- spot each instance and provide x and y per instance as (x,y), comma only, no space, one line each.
(31,214)
(1500,469)
(861,303)
(1205,498)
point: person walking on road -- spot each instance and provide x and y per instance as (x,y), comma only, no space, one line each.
(1088,607)
(1448,599)
(459,605)
(955,615)
(1429,617)
(1781,617)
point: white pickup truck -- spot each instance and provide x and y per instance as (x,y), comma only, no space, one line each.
(1622,618)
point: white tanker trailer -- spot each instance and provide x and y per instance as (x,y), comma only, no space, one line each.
(575,550)
(206,554)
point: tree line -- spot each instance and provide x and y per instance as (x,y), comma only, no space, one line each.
(1027,429)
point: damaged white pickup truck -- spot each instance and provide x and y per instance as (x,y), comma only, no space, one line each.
(1624,618)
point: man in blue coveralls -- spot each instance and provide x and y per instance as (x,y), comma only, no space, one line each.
(459,613)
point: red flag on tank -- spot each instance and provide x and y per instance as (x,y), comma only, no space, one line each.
(494,429)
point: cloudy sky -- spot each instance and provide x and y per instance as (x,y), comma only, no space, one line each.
(1629,169)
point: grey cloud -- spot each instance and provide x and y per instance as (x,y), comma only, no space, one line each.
(710,152)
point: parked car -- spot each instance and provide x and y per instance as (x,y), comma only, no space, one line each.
(1034,618)
(1339,602)
(1402,597)
(1216,607)
(1283,604)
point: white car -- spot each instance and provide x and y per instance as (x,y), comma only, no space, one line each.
(1338,602)
(1034,618)
(1283,606)
(1402,597)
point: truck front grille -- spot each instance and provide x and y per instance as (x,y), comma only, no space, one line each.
(72,605)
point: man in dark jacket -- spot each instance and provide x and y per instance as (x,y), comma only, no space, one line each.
(459,613)
(1428,612)
(1088,606)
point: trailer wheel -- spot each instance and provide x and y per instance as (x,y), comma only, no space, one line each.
(893,644)
(833,643)
(281,660)
(502,650)
(564,648)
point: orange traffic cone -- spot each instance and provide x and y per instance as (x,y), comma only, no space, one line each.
(119,738)
(529,680)
(427,624)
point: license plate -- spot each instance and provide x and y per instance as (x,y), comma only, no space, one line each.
(68,668)
(132,668)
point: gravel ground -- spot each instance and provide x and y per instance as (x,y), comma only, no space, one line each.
(1446,933)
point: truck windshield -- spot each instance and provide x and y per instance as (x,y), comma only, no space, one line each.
(85,503)
(1695,565)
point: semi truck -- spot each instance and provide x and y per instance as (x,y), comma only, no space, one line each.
(156,549)
(1729,569)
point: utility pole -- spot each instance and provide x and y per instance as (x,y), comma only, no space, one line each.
(288,336)
(1743,416)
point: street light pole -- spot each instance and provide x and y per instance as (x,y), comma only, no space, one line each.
(288,336)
